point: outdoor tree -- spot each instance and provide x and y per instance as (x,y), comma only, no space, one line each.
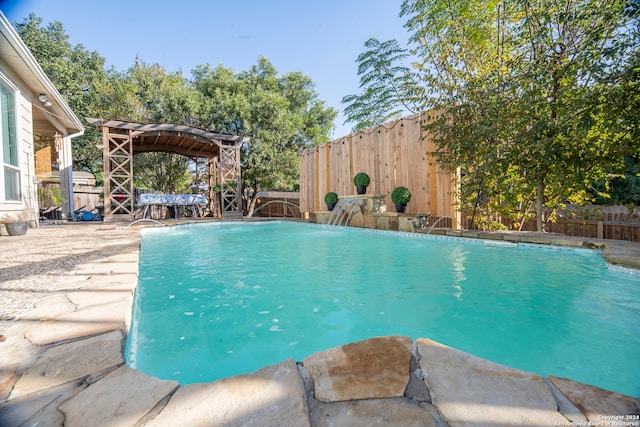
(76,73)
(521,89)
(389,89)
(163,172)
(621,189)
(278,114)
(149,93)
(620,90)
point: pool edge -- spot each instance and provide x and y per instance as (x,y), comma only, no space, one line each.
(28,355)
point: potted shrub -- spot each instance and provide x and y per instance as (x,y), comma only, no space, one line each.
(331,199)
(361,180)
(400,196)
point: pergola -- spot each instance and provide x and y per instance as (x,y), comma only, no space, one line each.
(121,140)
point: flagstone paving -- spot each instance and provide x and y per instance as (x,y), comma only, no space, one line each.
(62,364)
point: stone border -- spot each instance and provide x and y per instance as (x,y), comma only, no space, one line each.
(65,366)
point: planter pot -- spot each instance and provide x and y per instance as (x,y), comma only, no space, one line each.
(331,206)
(17,228)
(400,207)
(361,189)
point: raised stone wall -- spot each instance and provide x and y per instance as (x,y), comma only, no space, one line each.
(372,213)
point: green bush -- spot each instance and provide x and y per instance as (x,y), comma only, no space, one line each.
(361,179)
(400,195)
(331,198)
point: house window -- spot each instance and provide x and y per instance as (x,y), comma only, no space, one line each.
(9,158)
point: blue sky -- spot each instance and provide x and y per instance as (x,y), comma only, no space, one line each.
(321,38)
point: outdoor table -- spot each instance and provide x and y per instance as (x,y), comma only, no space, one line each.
(196,202)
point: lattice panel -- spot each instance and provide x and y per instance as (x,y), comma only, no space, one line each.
(213,200)
(229,166)
(118,173)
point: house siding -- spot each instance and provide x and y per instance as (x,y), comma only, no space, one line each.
(29,182)
(20,69)
(27,209)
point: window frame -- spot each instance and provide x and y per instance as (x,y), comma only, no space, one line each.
(18,169)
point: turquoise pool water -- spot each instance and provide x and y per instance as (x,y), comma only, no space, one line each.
(220,299)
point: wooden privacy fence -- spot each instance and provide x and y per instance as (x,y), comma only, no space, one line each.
(397,153)
(590,228)
(603,222)
(591,221)
(278,204)
(88,197)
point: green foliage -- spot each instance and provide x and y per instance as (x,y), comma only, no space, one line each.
(164,172)
(76,73)
(54,193)
(148,93)
(331,198)
(401,195)
(361,179)
(620,189)
(388,87)
(227,186)
(529,96)
(279,114)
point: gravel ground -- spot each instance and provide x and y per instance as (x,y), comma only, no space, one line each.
(31,265)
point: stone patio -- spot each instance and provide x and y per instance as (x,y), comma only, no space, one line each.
(63,364)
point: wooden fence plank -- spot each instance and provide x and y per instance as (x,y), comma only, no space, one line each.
(423,167)
(376,181)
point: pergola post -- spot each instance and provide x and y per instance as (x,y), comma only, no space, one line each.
(213,203)
(118,174)
(230,181)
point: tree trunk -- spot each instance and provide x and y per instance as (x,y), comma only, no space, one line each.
(251,205)
(540,222)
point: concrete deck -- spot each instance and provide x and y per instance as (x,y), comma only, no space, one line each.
(63,364)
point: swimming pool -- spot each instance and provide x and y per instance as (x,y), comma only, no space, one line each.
(220,299)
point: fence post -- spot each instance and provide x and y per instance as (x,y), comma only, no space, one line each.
(600,230)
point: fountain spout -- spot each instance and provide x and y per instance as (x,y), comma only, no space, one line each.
(338,210)
(343,210)
(437,221)
(347,217)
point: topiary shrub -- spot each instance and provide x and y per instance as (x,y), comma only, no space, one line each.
(400,195)
(331,198)
(361,179)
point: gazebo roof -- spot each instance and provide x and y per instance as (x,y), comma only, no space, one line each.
(171,138)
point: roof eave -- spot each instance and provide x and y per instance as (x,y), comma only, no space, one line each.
(30,65)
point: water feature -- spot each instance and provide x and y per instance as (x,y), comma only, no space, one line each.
(436,223)
(343,210)
(215,300)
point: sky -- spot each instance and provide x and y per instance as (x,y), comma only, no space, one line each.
(320,38)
